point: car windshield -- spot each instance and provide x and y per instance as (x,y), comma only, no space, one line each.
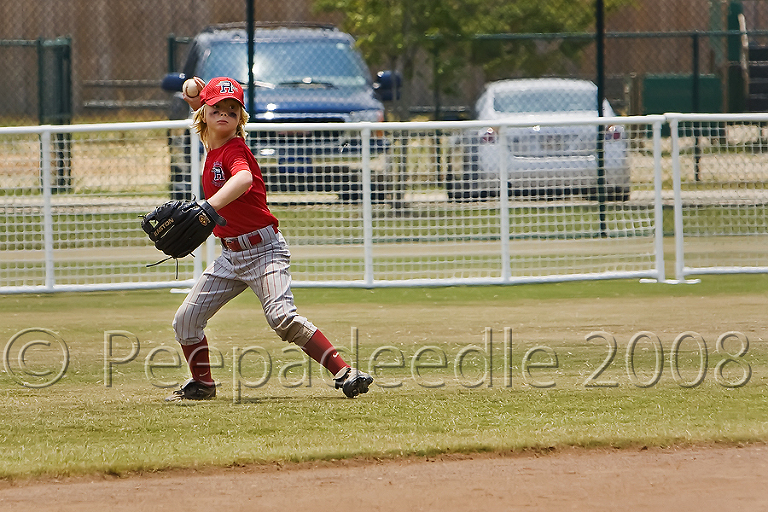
(297,63)
(544,100)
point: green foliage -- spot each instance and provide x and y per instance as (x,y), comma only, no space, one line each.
(392,32)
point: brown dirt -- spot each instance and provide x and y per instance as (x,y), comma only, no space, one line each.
(699,479)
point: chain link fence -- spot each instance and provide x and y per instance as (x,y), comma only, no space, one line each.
(96,60)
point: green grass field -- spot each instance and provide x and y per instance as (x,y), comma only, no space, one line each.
(458,369)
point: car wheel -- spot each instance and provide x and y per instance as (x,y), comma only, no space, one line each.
(387,179)
(350,188)
(457,186)
(619,194)
(383,189)
(462,180)
(180,182)
(612,194)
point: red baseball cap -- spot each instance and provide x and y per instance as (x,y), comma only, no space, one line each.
(222,88)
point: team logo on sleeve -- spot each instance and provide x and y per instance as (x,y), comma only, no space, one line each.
(218,174)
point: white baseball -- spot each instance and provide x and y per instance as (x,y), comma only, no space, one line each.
(190,88)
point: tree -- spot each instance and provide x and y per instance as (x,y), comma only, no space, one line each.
(393,32)
(458,32)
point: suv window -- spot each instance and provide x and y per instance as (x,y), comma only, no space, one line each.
(291,63)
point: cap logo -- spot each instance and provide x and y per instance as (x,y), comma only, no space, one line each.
(222,88)
(225,86)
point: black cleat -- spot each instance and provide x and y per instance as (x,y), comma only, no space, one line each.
(193,390)
(353,382)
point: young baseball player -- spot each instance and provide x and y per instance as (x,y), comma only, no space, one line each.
(254,252)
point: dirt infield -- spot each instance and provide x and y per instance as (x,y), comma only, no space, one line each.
(681,479)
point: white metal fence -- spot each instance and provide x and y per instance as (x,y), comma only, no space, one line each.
(720,189)
(400,204)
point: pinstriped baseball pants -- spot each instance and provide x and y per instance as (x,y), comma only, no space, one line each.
(263,268)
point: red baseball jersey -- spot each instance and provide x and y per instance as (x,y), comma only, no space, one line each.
(248,212)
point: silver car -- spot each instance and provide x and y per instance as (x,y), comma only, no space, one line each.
(545,160)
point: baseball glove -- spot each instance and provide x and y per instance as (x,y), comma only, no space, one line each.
(179,227)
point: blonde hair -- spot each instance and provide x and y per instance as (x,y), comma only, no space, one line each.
(198,123)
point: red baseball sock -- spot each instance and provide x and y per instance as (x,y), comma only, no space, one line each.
(320,349)
(199,363)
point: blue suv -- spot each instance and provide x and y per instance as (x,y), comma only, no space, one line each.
(302,74)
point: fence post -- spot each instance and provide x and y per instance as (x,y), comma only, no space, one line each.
(368,276)
(678,199)
(506,272)
(194,169)
(40,79)
(171,53)
(250,28)
(658,207)
(600,146)
(45,169)
(696,105)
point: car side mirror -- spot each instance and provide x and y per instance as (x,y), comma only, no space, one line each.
(388,85)
(173,82)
